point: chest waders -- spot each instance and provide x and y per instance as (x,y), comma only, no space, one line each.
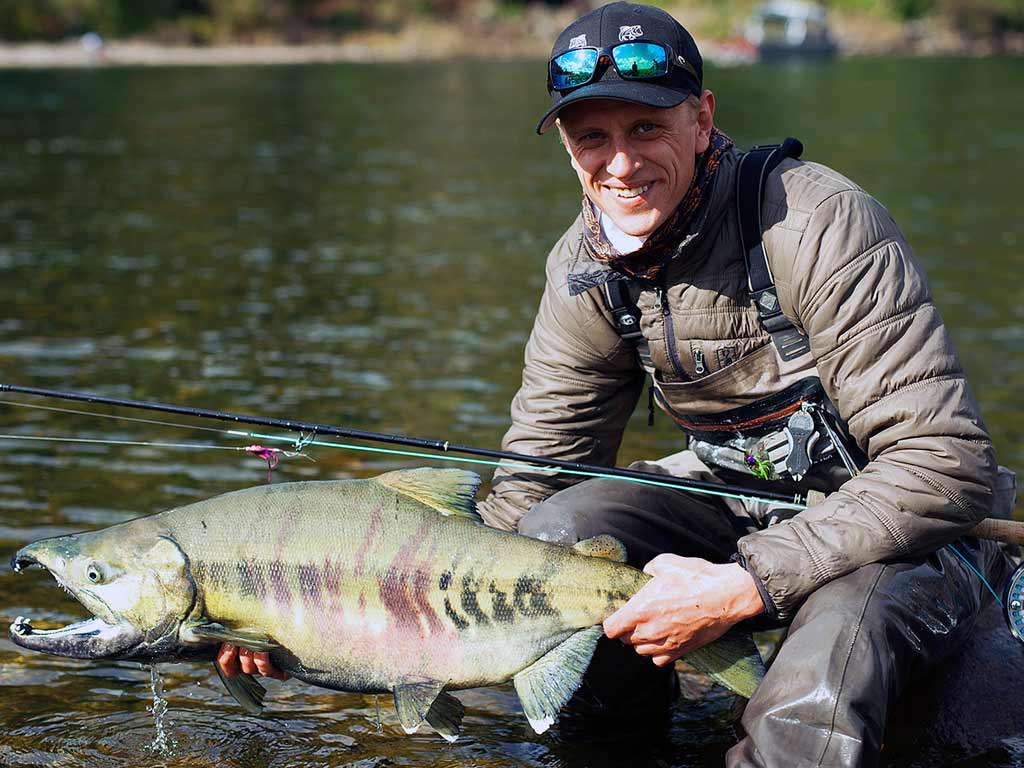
(780,437)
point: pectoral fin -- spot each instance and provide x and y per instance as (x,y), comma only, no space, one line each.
(417,700)
(245,689)
(242,637)
(546,685)
(732,660)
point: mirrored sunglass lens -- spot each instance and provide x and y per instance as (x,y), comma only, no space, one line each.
(640,60)
(573,68)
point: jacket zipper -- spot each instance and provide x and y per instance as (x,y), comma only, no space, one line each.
(698,359)
(670,335)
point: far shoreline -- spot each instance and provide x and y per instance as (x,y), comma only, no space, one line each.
(439,44)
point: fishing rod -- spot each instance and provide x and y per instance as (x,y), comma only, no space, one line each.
(1009,531)
(795,500)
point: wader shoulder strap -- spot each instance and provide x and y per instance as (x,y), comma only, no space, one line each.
(626,314)
(753,171)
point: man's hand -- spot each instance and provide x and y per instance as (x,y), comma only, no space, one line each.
(687,604)
(232,660)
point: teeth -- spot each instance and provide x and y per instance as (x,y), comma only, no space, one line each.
(17,567)
(629,192)
(22,626)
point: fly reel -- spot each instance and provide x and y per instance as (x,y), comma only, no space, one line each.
(1013,600)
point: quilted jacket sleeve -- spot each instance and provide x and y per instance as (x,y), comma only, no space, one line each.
(580,385)
(888,364)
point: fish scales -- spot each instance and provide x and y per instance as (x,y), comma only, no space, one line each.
(390,584)
(379,586)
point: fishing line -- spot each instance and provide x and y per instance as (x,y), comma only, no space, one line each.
(306,439)
(112,416)
(443,446)
(270,455)
(976,573)
(98,441)
(510,465)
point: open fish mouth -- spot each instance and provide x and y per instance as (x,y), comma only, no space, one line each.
(90,638)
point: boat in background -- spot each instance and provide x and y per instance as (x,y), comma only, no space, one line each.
(785,28)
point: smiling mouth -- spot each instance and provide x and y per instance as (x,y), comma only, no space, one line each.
(628,193)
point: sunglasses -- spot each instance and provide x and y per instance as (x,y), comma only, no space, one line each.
(633,61)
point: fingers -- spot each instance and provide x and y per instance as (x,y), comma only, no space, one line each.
(254,663)
(266,668)
(652,649)
(227,660)
(658,565)
(620,623)
(233,660)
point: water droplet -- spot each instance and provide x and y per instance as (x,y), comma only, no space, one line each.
(162,743)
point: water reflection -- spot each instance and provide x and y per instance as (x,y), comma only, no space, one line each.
(365,246)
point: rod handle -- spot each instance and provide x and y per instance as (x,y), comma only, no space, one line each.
(1008,531)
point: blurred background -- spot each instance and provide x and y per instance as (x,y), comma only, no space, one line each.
(354,232)
(510,28)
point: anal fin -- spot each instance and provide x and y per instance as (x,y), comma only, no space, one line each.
(545,686)
(245,689)
(242,637)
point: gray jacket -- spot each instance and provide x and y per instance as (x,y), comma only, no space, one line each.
(848,279)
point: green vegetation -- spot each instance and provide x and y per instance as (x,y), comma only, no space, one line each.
(219,21)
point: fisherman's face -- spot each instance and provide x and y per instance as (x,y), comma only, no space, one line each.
(635,162)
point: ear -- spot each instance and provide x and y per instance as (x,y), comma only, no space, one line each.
(565,145)
(561,137)
(705,121)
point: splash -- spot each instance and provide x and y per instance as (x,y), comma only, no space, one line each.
(162,743)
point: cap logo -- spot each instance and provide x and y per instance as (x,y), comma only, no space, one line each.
(630,33)
(580,41)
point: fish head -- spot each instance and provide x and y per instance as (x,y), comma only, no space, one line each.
(133,578)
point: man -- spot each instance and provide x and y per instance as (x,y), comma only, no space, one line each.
(840,378)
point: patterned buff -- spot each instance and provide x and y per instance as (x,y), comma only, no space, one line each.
(663,243)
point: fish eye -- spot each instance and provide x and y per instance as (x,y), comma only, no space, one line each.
(94,574)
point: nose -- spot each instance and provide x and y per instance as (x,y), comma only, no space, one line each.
(625,161)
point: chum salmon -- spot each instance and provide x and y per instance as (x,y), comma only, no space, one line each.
(391,584)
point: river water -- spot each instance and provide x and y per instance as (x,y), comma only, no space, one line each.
(364,245)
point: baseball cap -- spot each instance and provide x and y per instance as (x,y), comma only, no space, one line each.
(616,23)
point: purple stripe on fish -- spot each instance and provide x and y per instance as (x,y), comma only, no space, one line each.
(369,538)
(279,583)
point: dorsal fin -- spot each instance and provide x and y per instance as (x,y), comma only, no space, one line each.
(449,491)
